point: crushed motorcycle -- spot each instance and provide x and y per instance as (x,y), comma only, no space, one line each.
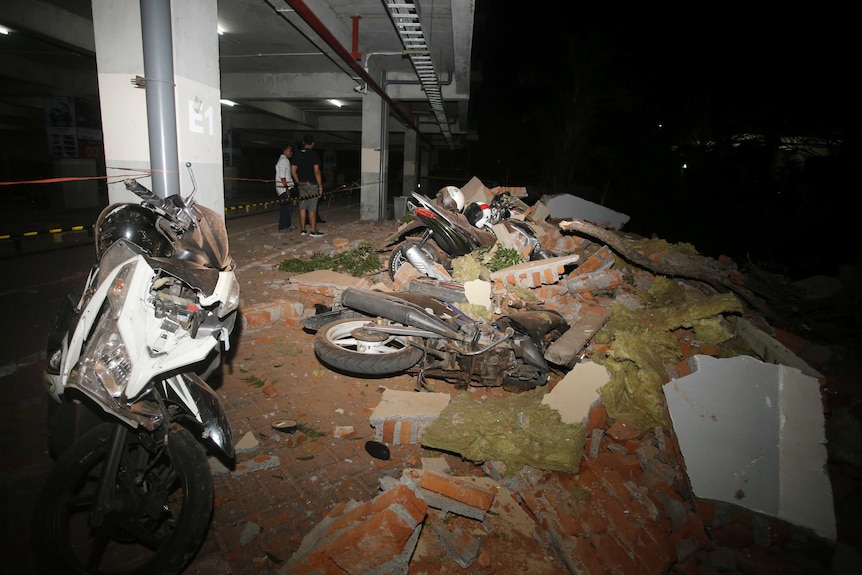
(443,229)
(132,418)
(373,333)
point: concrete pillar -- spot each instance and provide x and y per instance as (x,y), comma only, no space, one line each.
(410,181)
(119,59)
(375,126)
(425,184)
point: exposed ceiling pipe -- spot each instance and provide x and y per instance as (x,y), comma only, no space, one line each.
(309,17)
(355,51)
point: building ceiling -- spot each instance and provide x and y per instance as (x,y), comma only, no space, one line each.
(281,61)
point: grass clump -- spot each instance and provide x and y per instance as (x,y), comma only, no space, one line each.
(357,262)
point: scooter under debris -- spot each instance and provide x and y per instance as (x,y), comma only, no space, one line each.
(375,333)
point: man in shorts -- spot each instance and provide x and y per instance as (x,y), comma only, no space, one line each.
(305,166)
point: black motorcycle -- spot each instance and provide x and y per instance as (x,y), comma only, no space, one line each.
(375,333)
(438,235)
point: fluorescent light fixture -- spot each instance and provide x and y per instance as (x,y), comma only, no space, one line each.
(4,30)
(230,103)
(220,30)
(334,102)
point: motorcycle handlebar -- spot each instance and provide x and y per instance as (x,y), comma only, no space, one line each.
(175,211)
(133,186)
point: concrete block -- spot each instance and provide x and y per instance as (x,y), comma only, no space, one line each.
(401,416)
(535,273)
(573,395)
(463,489)
(565,349)
(567,206)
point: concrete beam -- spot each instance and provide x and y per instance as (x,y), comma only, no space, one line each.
(285,111)
(50,21)
(462,42)
(251,86)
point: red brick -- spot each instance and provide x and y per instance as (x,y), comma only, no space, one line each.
(563,514)
(597,417)
(706,510)
(369,544)
(591,518)
(389,431)
(458,488)
(255,319)
(586,560)
(404,432)
(621,431)
(791,341)
(732,535)
(628,467)
(652,560)
(614,555)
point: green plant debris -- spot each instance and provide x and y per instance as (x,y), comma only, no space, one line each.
(517,430)
(291,350)
(305,457)
(502,258)
(406,219)
(580,494)
(643,343)
(254,381)
(310,431)
(319,372)
(358,262)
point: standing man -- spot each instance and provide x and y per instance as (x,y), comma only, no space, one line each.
(306,173)
(284,185)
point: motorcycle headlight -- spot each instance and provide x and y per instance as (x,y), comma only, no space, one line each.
(106,362)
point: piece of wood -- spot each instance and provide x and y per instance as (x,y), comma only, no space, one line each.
(673,264)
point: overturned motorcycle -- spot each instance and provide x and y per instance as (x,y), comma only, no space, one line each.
(131,491)
(375,333)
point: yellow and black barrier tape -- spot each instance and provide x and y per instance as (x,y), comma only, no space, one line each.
(228,210)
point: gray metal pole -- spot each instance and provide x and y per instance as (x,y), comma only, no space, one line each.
(384,153)
(161,104)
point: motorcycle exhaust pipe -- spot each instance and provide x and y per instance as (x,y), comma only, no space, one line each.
(418,260)
(396,309)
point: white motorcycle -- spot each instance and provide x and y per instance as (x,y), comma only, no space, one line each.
(131,491)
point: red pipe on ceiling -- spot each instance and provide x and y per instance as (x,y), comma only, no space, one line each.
(355,51)
(306,14)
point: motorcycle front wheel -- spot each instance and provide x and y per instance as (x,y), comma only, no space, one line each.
(346,346)
(158,511)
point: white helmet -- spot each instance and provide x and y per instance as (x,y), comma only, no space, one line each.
(478,214)
(451,198)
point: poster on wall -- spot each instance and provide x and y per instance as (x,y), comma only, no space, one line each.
(60,123)
(74,127)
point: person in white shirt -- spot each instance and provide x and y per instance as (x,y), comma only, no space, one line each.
(284,186)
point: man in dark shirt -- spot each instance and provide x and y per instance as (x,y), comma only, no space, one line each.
(305,166)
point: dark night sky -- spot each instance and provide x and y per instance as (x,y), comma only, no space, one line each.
(696,78)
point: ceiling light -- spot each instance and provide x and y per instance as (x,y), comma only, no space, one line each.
(334,102)
(220,30)
(4,30)
(230,103)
